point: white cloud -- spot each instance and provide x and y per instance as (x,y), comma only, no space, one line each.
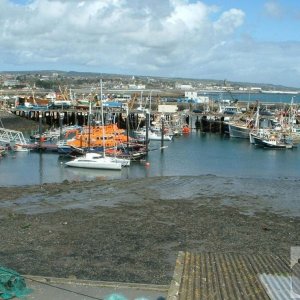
(158,37)
(229,21)
(273,9)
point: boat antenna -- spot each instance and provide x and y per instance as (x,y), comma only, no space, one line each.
(89,120)
(102,119)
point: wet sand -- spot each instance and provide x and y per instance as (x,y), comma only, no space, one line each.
(129,230)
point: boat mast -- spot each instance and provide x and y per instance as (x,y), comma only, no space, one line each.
(102,119)
(256,124)
(89,120)
(291,115)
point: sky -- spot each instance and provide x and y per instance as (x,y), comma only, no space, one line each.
(254,41)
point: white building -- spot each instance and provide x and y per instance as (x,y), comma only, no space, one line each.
(136,87)
(195,97)
(254,88)
(11,82)
(186,87)
(167,108)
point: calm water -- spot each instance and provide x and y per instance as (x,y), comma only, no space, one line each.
(194,154)
(252,97)
(197,166)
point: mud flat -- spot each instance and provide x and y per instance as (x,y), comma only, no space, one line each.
(130,230)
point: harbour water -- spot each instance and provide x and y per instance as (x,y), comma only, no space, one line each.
(232,170)
(188,155)
(253,97)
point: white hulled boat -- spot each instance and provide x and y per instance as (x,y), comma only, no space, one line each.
(95,161)
(98,161)
(152,135)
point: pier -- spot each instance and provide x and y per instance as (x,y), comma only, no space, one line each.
(200,119)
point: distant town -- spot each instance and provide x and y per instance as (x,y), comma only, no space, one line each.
(56,89)
(46,81)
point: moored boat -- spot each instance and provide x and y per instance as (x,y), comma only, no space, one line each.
(239,130)
(273,141)
(152,135)
(95,161)
(94,137)
(20,148)
(186,129)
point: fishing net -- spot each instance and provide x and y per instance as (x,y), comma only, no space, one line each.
(12,284)
(116,297)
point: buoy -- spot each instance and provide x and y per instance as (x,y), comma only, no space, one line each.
(185,130)
(147,164)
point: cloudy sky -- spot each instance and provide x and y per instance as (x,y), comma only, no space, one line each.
(237,40)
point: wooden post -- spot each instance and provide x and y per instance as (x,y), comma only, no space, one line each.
(162,134)
(76,118)
(127,131)
(61,117)
(40,128)
(197,123)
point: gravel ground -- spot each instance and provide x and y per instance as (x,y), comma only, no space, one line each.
(128,232)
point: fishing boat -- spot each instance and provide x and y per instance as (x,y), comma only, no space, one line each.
(54,134)
(130,151)
(65,149)
(273,141)
(240,128)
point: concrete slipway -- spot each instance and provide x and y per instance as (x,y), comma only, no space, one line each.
(206,276)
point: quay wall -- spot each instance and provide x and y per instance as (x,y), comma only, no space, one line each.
(12,121)
(18,119)
(24,121)
(30,119)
